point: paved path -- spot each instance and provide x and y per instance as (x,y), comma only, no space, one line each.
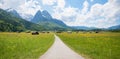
(60,51)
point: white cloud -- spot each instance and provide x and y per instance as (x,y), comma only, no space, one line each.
(58,8)
(102,15)
(67,14)
(85,7)
(0,4)
(61,3)
(29,8)
(69,11)
(11,3)
(48,2)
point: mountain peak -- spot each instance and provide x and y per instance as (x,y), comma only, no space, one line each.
(45,19)
(46,14)
(45,11)
(38,13)
(38,16)
(14,24)
(10,9)
(13,12)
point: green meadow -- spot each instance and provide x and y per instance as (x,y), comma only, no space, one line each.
(103,45)
(24,45)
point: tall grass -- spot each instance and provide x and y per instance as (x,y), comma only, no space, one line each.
(24,45)
(94,45)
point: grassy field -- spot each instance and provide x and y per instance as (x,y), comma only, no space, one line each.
(103,45)
(24,45)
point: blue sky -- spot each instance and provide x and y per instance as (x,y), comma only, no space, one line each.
(79,3)
(91,13)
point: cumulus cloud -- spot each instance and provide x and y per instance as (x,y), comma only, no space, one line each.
(29,8)
(60,3)
(5,4)
(85,9)
(101,16)
(66,14)
(104,15)
(48,2)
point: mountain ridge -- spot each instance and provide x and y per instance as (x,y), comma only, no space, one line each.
(45,19)
(9,22)
(13,12)
(116,27)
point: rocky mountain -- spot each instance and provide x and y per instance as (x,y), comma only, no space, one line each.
(10,22)
(14,12)
(38,17)
(45,19)
(46,15)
